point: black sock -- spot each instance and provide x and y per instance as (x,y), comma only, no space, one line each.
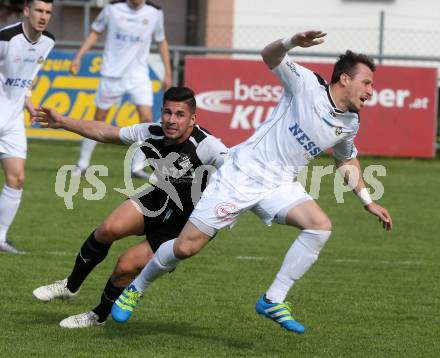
(108,297)
(91,254)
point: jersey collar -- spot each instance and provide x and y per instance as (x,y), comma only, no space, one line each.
(327,89)
(27,38)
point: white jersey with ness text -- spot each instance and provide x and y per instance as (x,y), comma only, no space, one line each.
(305,123)
(129,36)
(20,60)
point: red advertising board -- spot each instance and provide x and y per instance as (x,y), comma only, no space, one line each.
(234,96)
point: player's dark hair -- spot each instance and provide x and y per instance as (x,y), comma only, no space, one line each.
(29,2)
(181,94)
(347,63)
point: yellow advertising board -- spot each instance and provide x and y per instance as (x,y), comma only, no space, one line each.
(74,96)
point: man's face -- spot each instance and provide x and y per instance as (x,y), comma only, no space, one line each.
(359,87)
(38,15)
(177,121)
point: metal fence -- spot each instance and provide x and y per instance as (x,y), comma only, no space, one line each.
(389,37)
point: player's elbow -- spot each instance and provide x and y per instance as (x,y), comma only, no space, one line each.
(272,56)
(265,56)
(108,134)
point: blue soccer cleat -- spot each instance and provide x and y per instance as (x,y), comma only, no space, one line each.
(123,307)
(280,313)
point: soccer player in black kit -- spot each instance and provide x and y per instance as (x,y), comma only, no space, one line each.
(180,152)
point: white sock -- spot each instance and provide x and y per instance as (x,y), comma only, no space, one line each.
(10,199)
(298,260)
(162,262)
(87,147)
(138,160)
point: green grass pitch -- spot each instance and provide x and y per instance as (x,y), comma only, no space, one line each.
(370,294)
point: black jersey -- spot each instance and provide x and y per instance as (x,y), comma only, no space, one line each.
(179,169)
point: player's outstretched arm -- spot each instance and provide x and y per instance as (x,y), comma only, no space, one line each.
(274,53)
(87,44)
(96,130)
(352,173)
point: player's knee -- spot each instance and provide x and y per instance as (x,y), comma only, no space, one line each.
(15,181)
(325,224)
(320,223)
(125,266)
(145,116)
(107,232)
(185,248)
(146,119)
(183,251)
(124,272)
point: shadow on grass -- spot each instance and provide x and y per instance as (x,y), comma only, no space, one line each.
(139,331)
(185,329)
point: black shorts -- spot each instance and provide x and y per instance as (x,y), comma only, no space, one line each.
(166,223)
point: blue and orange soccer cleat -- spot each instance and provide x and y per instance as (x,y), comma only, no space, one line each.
(123,307)
(280,313)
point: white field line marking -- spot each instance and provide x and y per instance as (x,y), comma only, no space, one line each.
(384,262)
(264,258)
(56,253)
(254,258)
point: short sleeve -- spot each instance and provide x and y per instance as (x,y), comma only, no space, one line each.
(3,49)
(159,31)
(212,151)
(101,22)
(345,150)
(136,133)
(293,77)
(4,41)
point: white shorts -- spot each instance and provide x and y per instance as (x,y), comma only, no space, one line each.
(13,142)
(231,192)
(111,90)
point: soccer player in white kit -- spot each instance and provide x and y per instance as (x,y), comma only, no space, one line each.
(310,118)
(23,48)
(131,26)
